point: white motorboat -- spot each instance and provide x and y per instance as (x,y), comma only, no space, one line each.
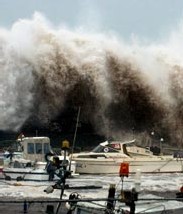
(107,157)
(29,163)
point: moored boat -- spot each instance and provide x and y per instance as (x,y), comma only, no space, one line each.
(107,157)
(34,160)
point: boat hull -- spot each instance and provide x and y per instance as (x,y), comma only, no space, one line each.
(31,174)
(24,174)
(94,166)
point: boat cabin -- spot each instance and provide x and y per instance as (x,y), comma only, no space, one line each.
(107,147)
(34,148)
(115,149)
(129,148)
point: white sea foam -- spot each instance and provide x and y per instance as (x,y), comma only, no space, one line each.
(119,85)
(149,183)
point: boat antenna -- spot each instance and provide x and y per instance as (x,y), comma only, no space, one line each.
(75,133)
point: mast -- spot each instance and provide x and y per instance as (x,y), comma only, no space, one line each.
(75,133)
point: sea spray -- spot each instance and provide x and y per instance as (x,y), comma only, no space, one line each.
(120,86)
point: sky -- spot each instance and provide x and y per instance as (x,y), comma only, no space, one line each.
(148,19)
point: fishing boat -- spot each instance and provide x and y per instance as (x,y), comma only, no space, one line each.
(34,160)
(107,157)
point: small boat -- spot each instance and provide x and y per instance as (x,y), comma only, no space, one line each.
(107,157)
(34,160)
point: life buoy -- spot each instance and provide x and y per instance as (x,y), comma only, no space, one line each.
(106,149)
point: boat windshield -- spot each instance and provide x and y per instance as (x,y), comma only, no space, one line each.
(105,149)
(38,148)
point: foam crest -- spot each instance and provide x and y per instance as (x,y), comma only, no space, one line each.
(119,86)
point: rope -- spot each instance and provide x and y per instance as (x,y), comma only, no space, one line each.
(158,169)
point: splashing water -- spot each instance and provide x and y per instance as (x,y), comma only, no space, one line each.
(118,85)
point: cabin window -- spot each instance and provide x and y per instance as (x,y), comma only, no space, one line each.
(30,148)
(46,148)
(38,148)
(99,149)
(105,149)
(108,149)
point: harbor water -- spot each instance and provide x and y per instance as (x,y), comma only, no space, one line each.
(151,187)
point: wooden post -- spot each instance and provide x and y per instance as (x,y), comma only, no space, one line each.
(111,197)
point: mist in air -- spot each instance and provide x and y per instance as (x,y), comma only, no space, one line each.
(119,86)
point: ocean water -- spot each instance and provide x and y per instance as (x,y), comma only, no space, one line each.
(151,187)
